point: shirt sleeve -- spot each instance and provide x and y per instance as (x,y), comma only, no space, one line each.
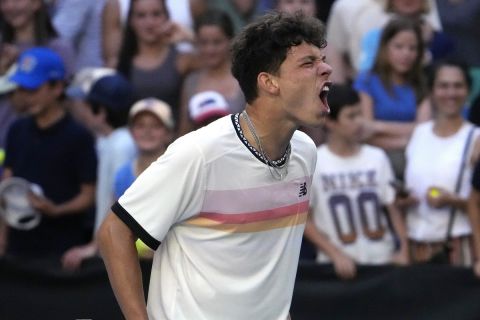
(169,191)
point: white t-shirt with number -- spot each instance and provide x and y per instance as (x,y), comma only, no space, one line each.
(230,233)
(347,203)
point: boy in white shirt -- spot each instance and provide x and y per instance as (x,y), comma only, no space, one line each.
(351,190)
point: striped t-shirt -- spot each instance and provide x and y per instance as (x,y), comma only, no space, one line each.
(230,233)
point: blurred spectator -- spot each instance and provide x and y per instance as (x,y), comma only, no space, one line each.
(112,26)
(391,92)
(438,45)
(50,149)
(152,127)
(100,99)
(27,24)
(214,32)
(181,12)
(207,106)
(307,7)
(7,112)
(148,57)
(351,187)
(80,21)
(241,12)
(78,91)
(461,21)
(109,101)
(434,160)
(349,22)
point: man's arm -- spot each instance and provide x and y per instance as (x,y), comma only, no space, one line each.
(117,247)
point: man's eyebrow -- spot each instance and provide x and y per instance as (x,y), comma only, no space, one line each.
(308,58)
(312,58)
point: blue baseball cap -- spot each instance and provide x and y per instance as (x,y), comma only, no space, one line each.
(36,66)
(112,91)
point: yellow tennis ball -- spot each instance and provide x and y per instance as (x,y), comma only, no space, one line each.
(142,249)
(434,193)
(2,156)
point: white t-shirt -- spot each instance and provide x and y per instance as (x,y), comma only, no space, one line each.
(347,199)
(113,151)
(435,161)
(230,233)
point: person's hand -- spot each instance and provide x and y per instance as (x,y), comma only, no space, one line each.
(73,257)
(406,202)
(175,32)
(43,205)
(8,56)
(401,258)
(345,267)
(476,268)
(438,197)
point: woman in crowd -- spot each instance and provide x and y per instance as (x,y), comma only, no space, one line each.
(391,91)
(148,57)
(26,23)
(214,31)
(435,157)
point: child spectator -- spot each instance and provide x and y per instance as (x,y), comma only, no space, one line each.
(351,190)
(151,125)
(206,107)
(391,91)
(109,100)
(50,149)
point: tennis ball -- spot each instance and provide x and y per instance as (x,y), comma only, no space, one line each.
(142,249)
(434,193)
(2,156)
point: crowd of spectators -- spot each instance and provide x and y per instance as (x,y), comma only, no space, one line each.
(93,91)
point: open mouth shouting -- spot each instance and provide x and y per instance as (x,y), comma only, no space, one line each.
(323,95)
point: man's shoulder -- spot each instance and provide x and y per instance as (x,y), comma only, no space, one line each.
(303,141)
(212,137)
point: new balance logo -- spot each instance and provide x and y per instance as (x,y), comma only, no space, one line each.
(303,190)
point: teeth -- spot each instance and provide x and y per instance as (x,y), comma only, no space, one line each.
(326,89)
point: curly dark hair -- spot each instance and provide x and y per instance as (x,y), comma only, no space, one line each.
(262,46)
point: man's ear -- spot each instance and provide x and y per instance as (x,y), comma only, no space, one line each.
(268,83)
